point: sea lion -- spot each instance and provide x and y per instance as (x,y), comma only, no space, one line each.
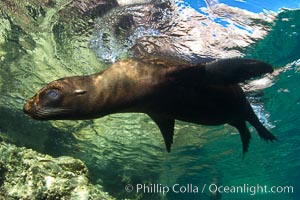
(206,94)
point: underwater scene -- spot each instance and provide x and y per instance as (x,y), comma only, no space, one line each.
(122,154)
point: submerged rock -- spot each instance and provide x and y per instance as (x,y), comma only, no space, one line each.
(26,174)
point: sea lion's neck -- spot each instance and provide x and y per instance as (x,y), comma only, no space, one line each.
(121,87)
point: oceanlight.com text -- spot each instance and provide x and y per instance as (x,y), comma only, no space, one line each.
(250,189)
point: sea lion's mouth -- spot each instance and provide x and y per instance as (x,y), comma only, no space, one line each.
(43,113)
(51,112)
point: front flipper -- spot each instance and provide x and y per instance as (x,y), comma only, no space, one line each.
(166,127)
(221,72)
(234,70)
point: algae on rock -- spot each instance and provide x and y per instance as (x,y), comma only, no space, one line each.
(26,174)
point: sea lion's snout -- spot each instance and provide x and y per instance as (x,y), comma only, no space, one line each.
(27,108)
(30,108)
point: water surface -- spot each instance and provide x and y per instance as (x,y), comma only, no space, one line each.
(41,43)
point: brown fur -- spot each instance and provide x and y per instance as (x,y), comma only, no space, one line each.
(164,92)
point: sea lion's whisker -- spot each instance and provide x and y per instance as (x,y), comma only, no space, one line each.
(51,111)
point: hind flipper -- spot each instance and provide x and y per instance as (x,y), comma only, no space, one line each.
(261,130)
(244,133)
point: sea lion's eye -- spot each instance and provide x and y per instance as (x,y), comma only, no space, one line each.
(53,94)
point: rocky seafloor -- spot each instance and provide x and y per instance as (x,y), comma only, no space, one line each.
(27,174)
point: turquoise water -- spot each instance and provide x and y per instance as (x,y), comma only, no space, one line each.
(218,159)
(126,150)
(213,155)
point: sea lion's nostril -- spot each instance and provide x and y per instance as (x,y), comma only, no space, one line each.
(26,108)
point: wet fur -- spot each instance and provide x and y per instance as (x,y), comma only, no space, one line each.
(206,94)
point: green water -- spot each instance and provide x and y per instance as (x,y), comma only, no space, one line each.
(42,43)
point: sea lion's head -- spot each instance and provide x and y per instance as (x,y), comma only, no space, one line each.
(62,99)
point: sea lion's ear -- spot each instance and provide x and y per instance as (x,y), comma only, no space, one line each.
(234,70)
(80,91)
